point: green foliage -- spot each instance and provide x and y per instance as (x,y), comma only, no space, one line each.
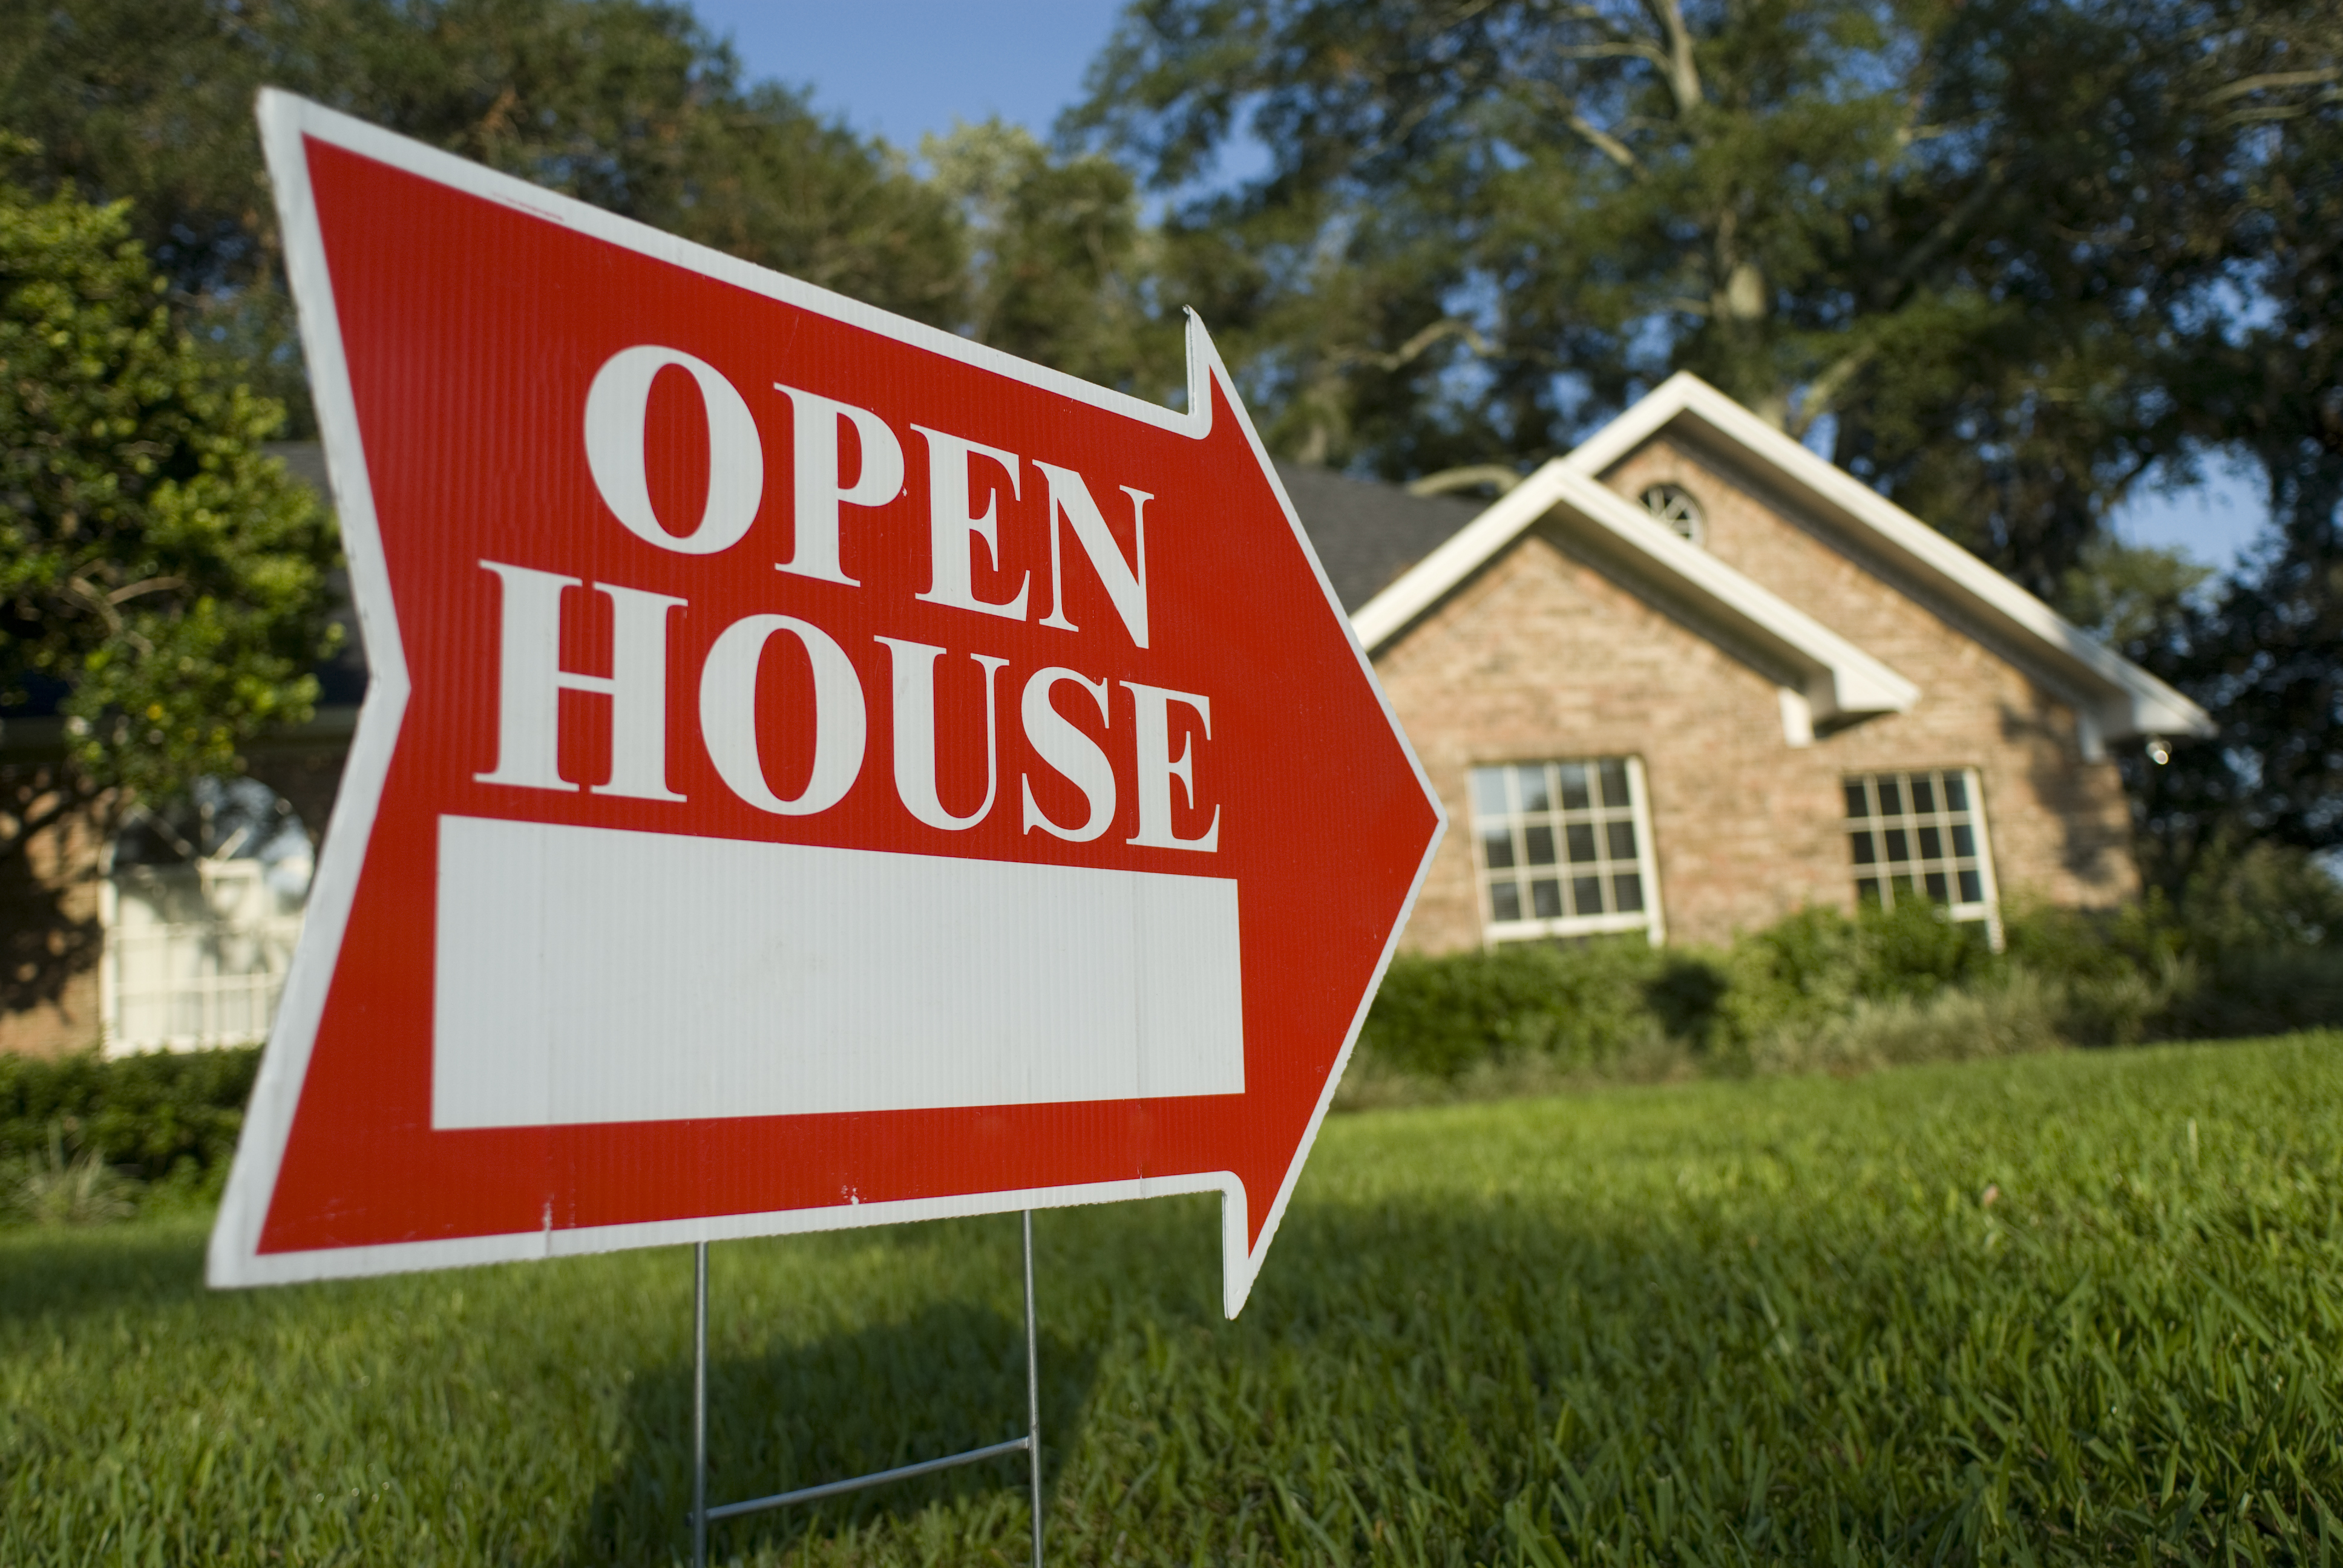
(2259,950)
(2022,257)
(1600,1007)
(628,104)
(52,1189)
(154,567)
(1581,1007)
(1953,228)
(1910,950)
(2266,659)
(154,1116)
(2260,897)
(1055,243)
(2130,597)
(2076,1309)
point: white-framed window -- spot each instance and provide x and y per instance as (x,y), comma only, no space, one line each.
(1563,848)
(201,906)
(1679,509)
(1921,834)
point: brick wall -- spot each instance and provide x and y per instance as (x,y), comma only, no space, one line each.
(1540,654)
(50,943)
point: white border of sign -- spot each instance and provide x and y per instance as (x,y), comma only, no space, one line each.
(234,1258)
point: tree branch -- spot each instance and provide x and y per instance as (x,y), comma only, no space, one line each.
(1470,477)
(1823,391)
(1683,74)
(152,585)
(2262,112)
(1603,141)
(1414,348)
(91,595)
(1622,51)
(2269,79)
(1594,135)
(1949,228)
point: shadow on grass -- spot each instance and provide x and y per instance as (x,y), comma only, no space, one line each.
(945,1379)
(69,1274)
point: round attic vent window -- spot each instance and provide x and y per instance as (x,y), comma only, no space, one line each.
(1674,505)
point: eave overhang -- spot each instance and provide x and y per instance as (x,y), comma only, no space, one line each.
(1837,679)
(2114,697)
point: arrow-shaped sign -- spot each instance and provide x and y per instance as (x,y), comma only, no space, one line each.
(818,771)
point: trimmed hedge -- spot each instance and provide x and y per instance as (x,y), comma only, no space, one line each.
(163,1114)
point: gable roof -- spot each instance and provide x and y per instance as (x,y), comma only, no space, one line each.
(1368,535)
(1836,677)
(2114,696)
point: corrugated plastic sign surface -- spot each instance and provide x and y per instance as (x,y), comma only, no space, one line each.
(817,772)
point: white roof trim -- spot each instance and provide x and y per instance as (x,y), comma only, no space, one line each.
(1457,557)
(1842,678)
(2123,698)
(1836,677)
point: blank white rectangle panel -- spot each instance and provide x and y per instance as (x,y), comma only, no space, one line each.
(590,975)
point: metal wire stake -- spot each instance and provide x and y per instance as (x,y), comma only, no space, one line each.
(1032,1393)
(701,1514)
(699,1404)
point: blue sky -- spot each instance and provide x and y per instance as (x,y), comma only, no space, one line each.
(900,68)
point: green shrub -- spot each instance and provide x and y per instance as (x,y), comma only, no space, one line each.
(2260,951)
(2258,898)
(2014,1013)
(56,1188)
(161,1116)
(2247,992)
(1576,1006)
(1819,967)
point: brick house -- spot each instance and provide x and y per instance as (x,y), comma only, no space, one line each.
(1690,676)
(1683,680)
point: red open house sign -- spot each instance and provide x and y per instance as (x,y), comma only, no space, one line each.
(818,771)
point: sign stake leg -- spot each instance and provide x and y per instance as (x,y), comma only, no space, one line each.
(1032,1393)
(699,1404)
(701,1514)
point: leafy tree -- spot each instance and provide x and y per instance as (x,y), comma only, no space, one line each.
(1933,233)
(2001,256)
(2133,599)
(2265,656)
(1055,246)
(628,105)
(162,581)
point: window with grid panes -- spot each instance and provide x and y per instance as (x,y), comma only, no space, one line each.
(1920,835)
(1565,847)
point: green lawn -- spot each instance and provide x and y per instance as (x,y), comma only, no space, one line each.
(1731,1321)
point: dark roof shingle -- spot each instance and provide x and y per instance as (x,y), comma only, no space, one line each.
(1367,535)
